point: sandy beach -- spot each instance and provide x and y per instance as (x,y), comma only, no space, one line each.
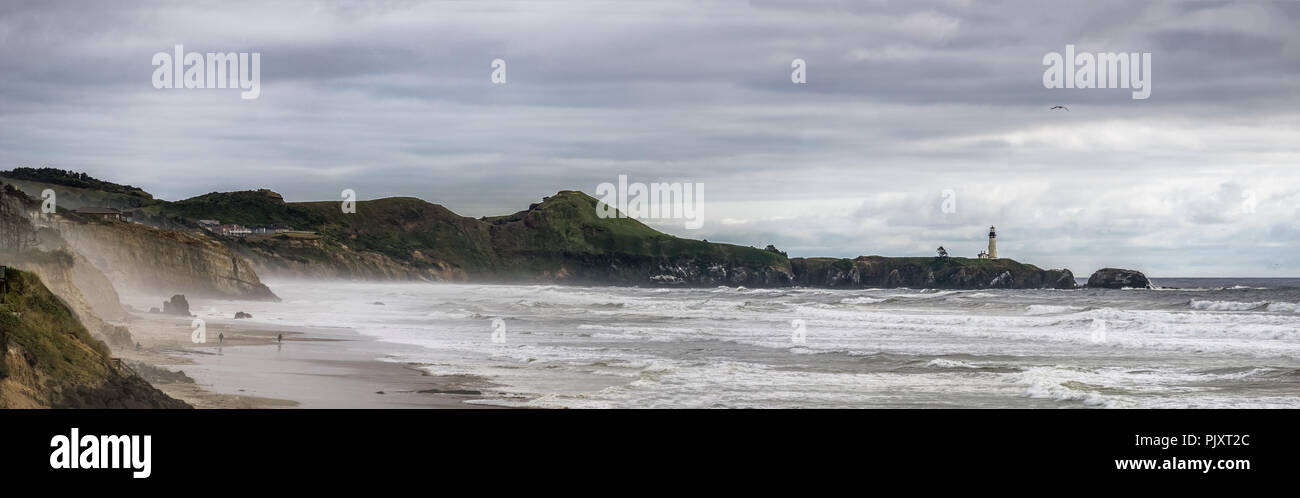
(242,365)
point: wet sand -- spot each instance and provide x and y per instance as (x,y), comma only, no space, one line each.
(242,365)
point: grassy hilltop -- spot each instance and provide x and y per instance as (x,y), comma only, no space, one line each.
(559,239)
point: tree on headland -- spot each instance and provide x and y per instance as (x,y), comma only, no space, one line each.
(943,253)
(772,248)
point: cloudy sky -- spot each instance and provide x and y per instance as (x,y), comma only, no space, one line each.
(903,100)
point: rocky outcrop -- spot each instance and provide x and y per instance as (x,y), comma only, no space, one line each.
(932,273)
(715,273)
(178,306)
(1117,278)
(150,260)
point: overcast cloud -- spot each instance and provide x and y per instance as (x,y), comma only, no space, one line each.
(904,99)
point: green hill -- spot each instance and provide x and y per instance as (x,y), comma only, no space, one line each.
(559,239)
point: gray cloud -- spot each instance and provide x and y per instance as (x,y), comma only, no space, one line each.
(903,100)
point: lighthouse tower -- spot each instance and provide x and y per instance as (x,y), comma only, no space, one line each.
(993,243)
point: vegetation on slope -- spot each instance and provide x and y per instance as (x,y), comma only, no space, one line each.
(48,359)
(558,239)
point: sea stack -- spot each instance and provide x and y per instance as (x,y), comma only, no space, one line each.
(1116,278)
(178,305)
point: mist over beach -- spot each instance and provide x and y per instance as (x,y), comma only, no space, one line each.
(1218,346)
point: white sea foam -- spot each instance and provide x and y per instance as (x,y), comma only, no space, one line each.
(1284,307)
(862,300)
(1225,305)
(628,347)
(946,363)
(1048,309)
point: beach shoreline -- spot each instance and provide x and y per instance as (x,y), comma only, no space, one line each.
(242,365)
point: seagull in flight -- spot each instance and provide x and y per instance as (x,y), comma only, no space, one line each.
(1053,108)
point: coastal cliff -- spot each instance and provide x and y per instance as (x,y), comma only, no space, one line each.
(558,240)
(49,360)
(932,273)
(81,287)
(149,259)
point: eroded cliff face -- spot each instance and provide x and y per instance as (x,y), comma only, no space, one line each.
(326,260)
(931,273)
(49,360)
(80,286)
(692,272)
(166,262)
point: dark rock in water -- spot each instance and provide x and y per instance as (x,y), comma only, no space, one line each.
(241,315)
(377,303)
(177,306)
(1059,279)
(1116,278)
(155,310)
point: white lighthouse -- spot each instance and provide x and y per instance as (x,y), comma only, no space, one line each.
(993,243)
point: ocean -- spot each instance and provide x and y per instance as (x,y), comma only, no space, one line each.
(1197,343)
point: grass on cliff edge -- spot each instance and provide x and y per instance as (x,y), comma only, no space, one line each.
(406,228)
(32,318)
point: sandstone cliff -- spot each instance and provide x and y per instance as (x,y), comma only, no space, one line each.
(153,260)
(49,360)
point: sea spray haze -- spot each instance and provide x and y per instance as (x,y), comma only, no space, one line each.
(1212,344)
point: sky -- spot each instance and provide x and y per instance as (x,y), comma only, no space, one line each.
(906,105)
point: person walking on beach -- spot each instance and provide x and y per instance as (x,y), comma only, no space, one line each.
(279,338)
(221,337)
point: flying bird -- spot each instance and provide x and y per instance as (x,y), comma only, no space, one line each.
(1053,108)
